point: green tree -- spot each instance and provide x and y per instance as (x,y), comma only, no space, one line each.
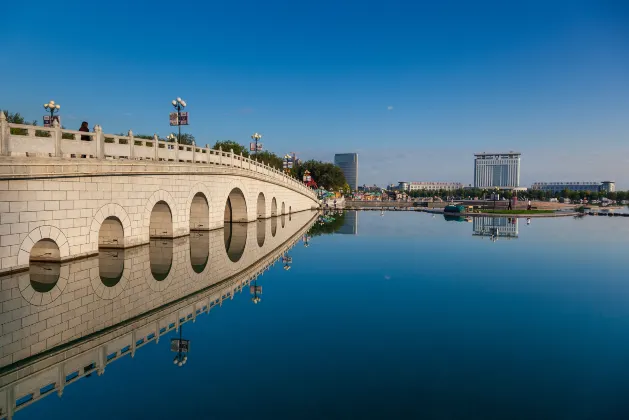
(227,145)
(269,158)
(324,174)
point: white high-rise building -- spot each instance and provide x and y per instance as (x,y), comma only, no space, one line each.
(500,170)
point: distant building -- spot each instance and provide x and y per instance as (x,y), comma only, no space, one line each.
(348,162)
(500,170)
(592,186)
(429,185)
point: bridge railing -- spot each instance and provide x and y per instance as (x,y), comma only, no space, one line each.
(56,142)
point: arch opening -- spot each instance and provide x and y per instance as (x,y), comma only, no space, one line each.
(161,223)
(261,232)
(111,266)
(111,233)
(235,236)
(161,258)
(235,207)
(44,265)
(199,251)
(273,226)
(199,212)
(273,207)
(261,206)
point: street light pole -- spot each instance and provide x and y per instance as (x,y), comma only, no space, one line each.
(256,137)
(52,108)
(179,104)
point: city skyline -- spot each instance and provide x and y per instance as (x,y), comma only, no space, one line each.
(415,89)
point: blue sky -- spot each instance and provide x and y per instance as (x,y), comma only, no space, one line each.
(414,87)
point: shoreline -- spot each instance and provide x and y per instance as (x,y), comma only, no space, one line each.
(464,214)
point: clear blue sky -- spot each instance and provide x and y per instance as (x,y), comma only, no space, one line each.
(414,87)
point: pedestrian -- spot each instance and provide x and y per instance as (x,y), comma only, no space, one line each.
(529,206)
(509,204)
(85,128)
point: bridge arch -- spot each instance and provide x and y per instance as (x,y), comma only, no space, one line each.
(273,207)
(166,206)
(235,207)
(160,272)
(198,205)
(261,206)
(104,229)
(43,250)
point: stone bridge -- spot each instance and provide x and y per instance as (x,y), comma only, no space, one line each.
(91,323)
(62,197)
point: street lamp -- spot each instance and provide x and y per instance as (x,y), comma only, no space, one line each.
(495,194)
(256,137)
(52,108)
(179,104)
(288,158)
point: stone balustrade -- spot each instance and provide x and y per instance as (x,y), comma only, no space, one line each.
(56,142)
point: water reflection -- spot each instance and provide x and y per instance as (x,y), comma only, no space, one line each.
(199,250)
(161,257)
(261,231)
(273,225)
(132,296)
(235,235)
(495,227)
(44,276)
(111,266)
(283,220)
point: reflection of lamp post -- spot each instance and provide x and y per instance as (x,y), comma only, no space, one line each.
(287,262)
(179,104)
(306,240)
(52,108)
(254,290)
(181,347)
(256,137)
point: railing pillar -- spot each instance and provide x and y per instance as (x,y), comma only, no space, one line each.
(194,152)
(99,139)
(56,133)
(231,157)
(241,159)
(155,148)
(131,145)
(176,151)
(220,155)
(5,134)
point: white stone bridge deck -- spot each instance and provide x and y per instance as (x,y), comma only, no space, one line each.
(57,205)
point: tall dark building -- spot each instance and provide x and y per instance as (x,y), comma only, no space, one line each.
(348,162)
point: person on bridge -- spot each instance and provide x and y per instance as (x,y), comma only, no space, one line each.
(85,128)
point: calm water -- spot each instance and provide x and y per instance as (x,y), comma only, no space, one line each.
(404,315)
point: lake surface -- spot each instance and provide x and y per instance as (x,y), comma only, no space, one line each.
(403,315)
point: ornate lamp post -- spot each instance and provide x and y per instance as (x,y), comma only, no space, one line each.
(287,157)
(256,137)
(179,104)
(52,108)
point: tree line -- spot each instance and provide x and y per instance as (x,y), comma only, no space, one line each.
(523,195)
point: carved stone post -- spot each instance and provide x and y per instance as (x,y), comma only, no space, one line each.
(155,148)
(5,135)
(194,152)
(176,151)
(241,158)
(231,156)
(220,155)
(100,141)
(131,145)
(56,132)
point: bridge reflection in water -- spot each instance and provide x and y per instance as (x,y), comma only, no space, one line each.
(62,322)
